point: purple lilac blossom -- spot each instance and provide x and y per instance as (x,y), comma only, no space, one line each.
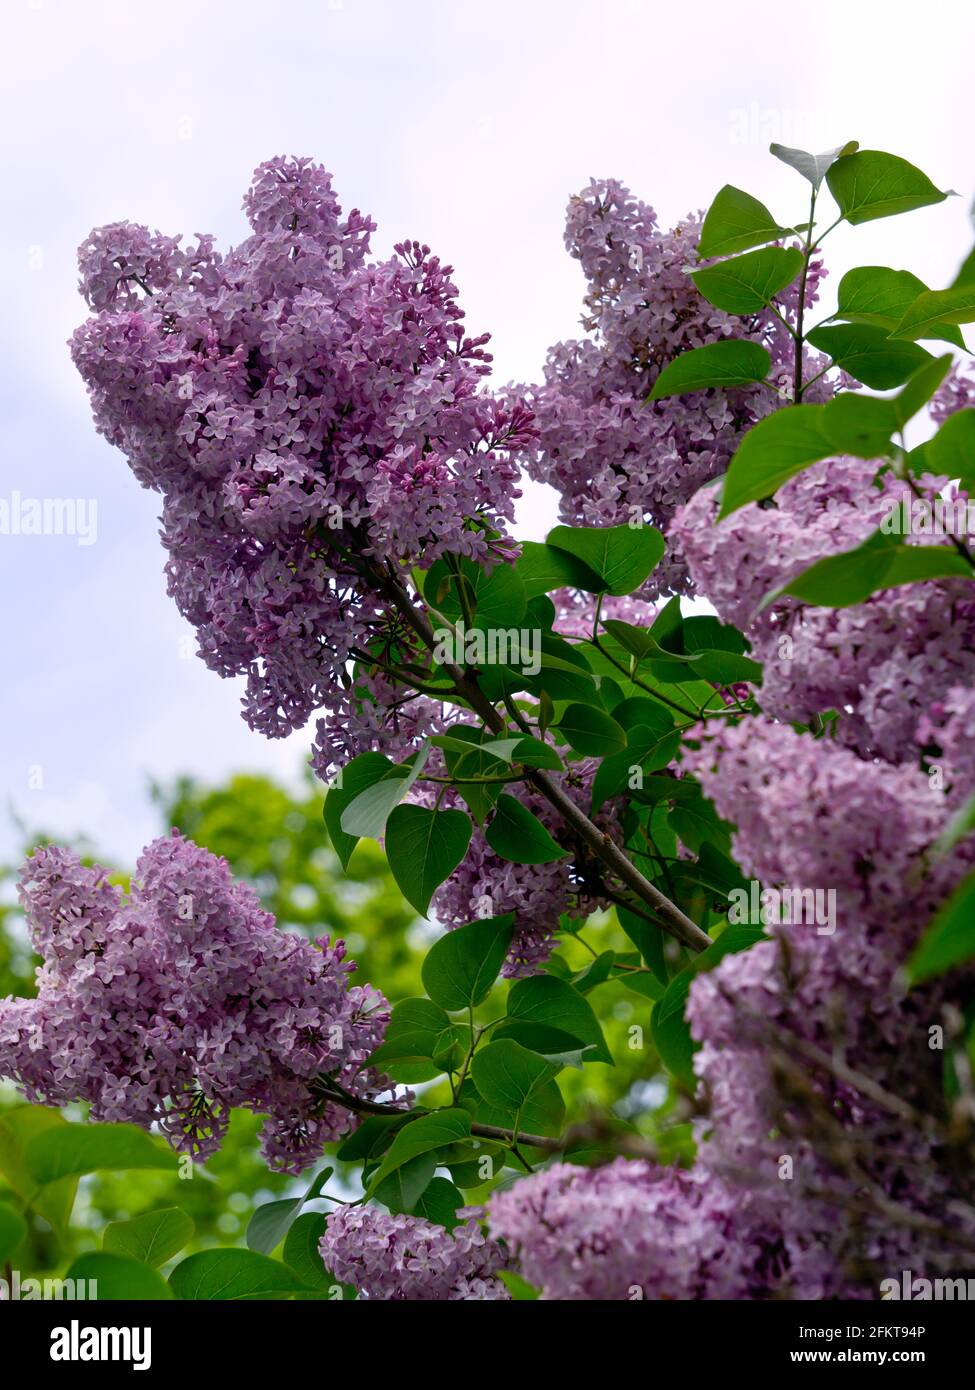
(402,1257)
(612,457)
(312,418)
(176,1002)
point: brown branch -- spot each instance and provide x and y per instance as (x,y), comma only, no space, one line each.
(672,919)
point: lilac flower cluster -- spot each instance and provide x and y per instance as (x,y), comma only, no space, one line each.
(613,458)
(408,1258)
(314,423)
(864,1190)
(879,664)
(176,1002)
(628,1230)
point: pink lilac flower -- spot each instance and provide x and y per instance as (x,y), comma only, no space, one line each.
(404,1257)
(314,421)
(613,458)
(176,1002)
(878,663)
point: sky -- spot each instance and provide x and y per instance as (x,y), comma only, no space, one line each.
(463,124)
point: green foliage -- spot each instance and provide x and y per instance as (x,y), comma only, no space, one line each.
(747,284)
(461,967)
(152,1238)
(725,364)
(117,1278)
(516,834)
(735,222)
(230,1275)
(424,847)
(621,557)
(869,184)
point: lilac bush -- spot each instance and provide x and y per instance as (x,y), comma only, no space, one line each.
(769,805)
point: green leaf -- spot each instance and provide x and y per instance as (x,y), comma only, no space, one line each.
(424,848)
(812,167)
(837,581)
(118,1279)
(620,556)
(507,1075)
(542,1113)
(231,1275)
(725,364)
(771,453)
(17,1128)
(461,967)
(934,309)
(725,668)
(465,757)
(420,1042)
(918,391)
(13,1229)
(270,1224)
(952,449)
(422,1137)
(499,599)
(152,1238)
(746,284)
(735,222)
(542,1001)
(959,827)
(880,297)
(783,444)
(368,812)
(402,1189)
(90,1148)
(966,273)
(950,939)
(362,772)
(300,1252)
(373,1137)
(543,568)
(531,752)
(871,184)
(703,633)
(648,748)
(519,836)
(520,1289)
(869,354)
(591,731)
(439,1203)
(648,938)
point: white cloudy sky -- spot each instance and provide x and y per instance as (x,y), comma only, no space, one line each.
(465,123)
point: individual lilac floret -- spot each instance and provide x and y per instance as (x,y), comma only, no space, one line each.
(406,1257)
(182,1000)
